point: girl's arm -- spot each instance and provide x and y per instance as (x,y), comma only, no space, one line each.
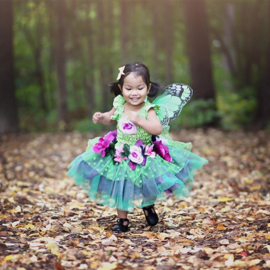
(151,124)
(104,118)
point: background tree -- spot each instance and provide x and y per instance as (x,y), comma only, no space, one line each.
(61,63)
(263,109)
(89,78)
(73,49)
(8,106)
(198,48)
(168,40)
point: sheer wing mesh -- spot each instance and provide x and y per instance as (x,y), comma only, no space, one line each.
(171,101)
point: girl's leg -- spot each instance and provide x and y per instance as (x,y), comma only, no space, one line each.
(122,224)
(122,214)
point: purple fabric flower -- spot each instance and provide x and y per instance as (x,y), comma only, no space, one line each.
(111,136)
(101,146)
(104,143)
(163,151)
(132,165)
(127,127)
(139,143)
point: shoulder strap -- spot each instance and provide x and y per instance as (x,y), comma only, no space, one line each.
(154,106)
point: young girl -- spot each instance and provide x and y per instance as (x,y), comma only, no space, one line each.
(133,166)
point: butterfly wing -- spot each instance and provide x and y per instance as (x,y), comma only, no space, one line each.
(171,101)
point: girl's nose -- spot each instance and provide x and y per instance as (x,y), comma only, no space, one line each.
(134,92)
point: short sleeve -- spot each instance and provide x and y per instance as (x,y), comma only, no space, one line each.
(154,106)
(118,103)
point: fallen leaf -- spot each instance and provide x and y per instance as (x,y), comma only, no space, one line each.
(107,266)
(225,199)
(221,227)
(254,262)
(230,260)
(224,242)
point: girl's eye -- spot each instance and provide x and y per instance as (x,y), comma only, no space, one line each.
(128,89)
(140,88)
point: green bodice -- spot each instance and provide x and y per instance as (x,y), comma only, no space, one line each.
(122,138)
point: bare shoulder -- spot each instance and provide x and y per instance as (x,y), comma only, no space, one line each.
(151,114)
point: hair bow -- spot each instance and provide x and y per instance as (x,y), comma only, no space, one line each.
(121,72)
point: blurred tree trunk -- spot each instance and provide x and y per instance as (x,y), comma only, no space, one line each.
(124,13)
(263,109)
(156,30)
(168,40)
(75,54)
(35,44)
(226,41)
(38,64)
(102,54)
(51,10)
(198,48)
(112,70)
(8,106)
(89,74)
(110,34)
(40,79)
(61,64)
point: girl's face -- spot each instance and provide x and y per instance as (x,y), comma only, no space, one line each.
(134,89)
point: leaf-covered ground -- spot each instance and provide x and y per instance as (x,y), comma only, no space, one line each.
(48,223)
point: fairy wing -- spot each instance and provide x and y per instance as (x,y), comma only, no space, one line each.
(171,101)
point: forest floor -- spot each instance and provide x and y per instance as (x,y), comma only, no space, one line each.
(46,222)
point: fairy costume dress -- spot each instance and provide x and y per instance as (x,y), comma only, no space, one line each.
(129,167)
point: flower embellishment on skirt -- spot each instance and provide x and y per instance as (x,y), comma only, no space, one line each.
(135,154)
(119,151)
(103,144)
(127,127)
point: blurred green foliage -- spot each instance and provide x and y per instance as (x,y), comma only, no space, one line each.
(195,114)
(237,108)
(35,37)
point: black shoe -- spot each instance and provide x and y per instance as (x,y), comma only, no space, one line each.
(150,215)
(120,227)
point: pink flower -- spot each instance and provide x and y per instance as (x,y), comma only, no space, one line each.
(118,151)
(119,158)
(163,151)
(148,151)
(136,154)
(101,146)
(127,127)
(111,136)
(104,143)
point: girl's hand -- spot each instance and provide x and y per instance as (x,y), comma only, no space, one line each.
(98,117)
(134,117)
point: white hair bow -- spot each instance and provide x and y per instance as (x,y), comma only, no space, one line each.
(121,72)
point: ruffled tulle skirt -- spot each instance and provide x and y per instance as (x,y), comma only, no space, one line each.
(116,185)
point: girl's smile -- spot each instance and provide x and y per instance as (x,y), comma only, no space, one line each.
(134,89)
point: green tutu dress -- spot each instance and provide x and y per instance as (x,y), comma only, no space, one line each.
(129,168)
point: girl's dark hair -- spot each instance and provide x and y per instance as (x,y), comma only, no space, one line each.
(140,70)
